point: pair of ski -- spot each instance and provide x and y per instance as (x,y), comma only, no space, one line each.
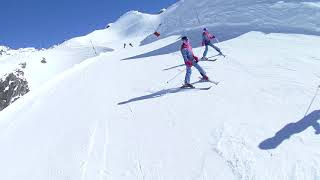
(202,88)
(212,60)
(201,80)
(221,54)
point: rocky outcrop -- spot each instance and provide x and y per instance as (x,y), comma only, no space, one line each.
(12,87)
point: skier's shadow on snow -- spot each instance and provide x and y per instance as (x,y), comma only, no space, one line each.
(164,50)
(311,120)
(224,33)
(153,95)
(159,94)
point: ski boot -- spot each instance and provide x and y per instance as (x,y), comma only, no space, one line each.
(204,78)
(187,85)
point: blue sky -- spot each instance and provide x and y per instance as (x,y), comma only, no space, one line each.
(43,23)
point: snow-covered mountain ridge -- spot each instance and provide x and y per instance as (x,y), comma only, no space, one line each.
(229,19)
(129,27)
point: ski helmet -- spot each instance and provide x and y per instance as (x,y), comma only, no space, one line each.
(184,38)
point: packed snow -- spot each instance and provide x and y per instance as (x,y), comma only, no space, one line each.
(119,113)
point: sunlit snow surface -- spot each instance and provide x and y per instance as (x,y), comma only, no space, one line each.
(114,116)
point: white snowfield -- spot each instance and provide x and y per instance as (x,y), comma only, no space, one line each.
(58,58)
(120,115)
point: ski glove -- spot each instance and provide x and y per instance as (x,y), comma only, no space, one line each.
(188,63)
(196,58)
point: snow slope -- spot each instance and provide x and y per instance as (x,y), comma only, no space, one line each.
(230,19)
(106,129)
(114,116)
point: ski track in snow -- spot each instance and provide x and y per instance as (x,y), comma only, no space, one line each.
(90,150)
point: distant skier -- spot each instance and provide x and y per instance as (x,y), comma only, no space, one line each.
(44,60)
(2,52)
(124,45)
(190,60)
(130,44)
(206,41)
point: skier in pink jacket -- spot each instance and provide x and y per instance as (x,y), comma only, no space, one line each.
(190,60)
(206,41)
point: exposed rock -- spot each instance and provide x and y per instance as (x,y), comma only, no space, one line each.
(12,87)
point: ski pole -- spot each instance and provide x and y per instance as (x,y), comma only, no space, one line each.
(175,76)
(314,97)
(217,40)
(197,15)
(94,49)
